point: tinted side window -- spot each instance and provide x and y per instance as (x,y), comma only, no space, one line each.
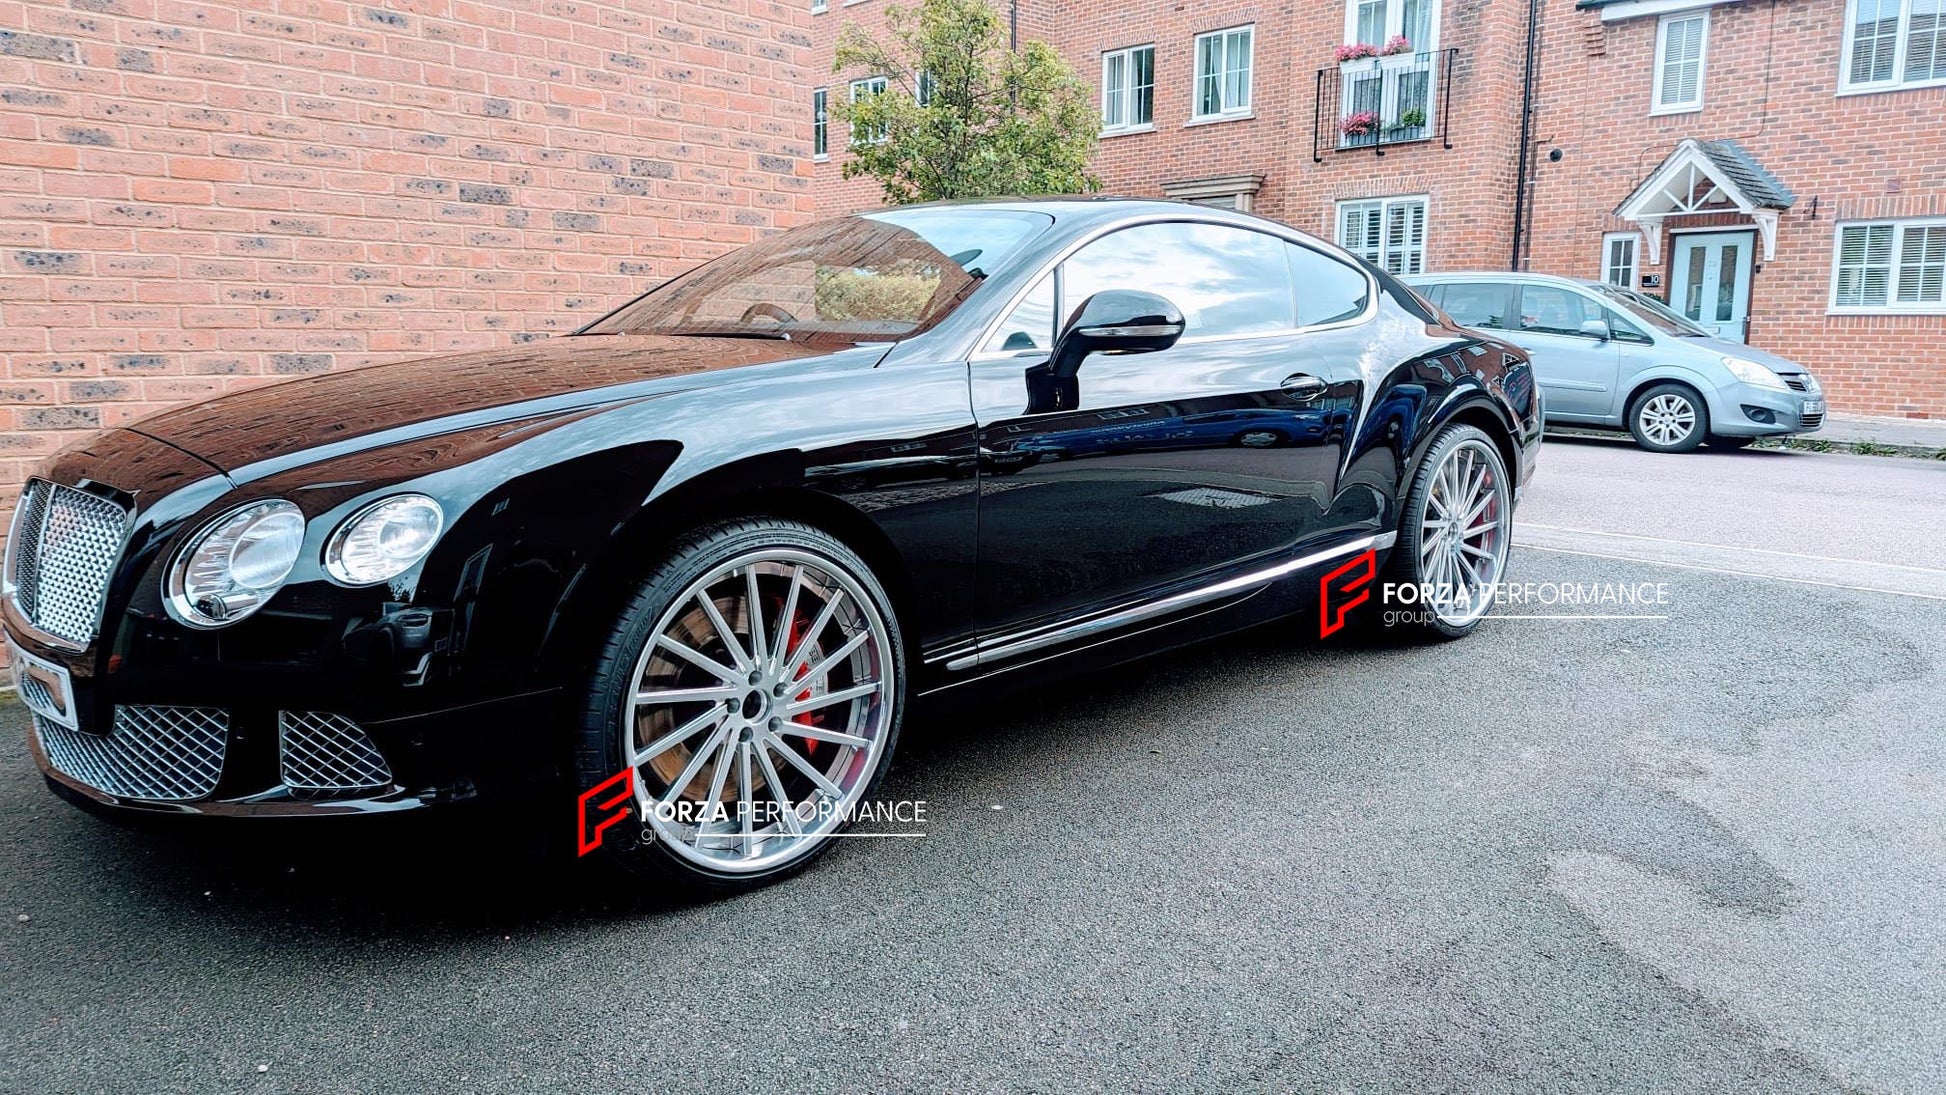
(1327,290)
(1226,280)
(1545,309)
(1478,304)
(1031,324)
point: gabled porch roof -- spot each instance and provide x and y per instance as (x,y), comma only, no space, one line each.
(1708,177)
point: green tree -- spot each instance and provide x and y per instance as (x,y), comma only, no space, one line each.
(988,120)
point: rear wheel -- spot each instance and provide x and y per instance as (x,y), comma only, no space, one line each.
(754,686)
(1669,418)
(1456,531)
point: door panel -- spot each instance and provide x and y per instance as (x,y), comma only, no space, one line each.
(1710,280)
(1577,373)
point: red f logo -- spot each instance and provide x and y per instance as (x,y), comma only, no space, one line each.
(606,801)
(1336,597)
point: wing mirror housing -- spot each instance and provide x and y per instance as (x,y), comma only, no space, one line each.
(1596,329)
(1116,321)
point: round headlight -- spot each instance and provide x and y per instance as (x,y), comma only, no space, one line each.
(231,568)
(383,540)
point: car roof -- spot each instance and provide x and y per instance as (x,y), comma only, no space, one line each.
(1089,208)
(1522,276)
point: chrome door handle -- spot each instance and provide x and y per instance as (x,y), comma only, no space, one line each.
(1303,386)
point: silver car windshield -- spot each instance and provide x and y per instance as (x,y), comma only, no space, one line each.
(1650,311)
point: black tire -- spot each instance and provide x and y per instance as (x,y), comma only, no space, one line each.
(1728,443)
(1403,568)
(630,845)
(1681,395)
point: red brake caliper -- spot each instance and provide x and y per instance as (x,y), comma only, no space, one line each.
(794,635)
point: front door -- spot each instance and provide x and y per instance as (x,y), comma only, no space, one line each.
(1710,280)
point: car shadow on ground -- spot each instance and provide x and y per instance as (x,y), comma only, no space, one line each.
(476,871)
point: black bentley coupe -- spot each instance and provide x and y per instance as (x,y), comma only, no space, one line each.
(697,559)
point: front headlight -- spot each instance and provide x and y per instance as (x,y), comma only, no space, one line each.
(1751,372)
(383,540)
(234,565)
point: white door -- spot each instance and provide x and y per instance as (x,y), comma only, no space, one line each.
(1709,281)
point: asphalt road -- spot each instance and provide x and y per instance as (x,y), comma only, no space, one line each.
(1700,853)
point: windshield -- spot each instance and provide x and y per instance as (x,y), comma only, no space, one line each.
(870,278)
(1650,311)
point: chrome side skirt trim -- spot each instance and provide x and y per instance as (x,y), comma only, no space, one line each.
(1081,629)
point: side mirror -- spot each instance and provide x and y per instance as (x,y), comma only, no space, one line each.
(1124,321)
(1596,329)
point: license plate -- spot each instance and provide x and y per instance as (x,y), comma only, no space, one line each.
(43,686)
(1814,406)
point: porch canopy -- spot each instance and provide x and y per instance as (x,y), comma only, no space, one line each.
(1708,177)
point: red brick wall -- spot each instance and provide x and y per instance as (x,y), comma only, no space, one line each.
(200,196)
(1772,73)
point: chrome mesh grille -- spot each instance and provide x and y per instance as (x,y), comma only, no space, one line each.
(36,695)
(326,753)
(163,754)
(63,549)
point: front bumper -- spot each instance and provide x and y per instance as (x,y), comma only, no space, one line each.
(1745,410)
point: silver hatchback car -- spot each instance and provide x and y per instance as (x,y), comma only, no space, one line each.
(1609,357)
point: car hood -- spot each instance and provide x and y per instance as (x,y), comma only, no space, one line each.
(383,404)
(1721,347)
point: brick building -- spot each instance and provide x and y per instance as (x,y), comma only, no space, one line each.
(200,196)
(1775,166)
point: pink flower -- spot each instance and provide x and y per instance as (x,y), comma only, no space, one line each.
(1355,51)
(1359,124)
(1397,45)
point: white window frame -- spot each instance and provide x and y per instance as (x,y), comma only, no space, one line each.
(1127,93)
(819,7)
(1385,205)
(879,85)
(820,124)
(1892,305)
(1229,111)
(1394,24)
(923,86)
(1901,41)
(1687,106)
(1634,258)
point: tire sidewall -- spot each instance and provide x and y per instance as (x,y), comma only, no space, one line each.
(631,844)
(1697,432)
(1405,563)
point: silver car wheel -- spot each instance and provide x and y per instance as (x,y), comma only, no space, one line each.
(760,710)
(1464,533)
(1667,419)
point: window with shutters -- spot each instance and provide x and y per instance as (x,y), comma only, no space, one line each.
(1128,90)
(1618,262)
(1223,63)
(1890,266)
(1388,232)
(1681,44)
(1893,44)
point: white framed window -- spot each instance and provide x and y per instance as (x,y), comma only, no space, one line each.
(1890,266)
(874,86)
(821,124)
(1390,233)
(1620,264)
(1223,63)
(1681,47)
(1378,22)
(818,6)
(1891,44)
(923,86)
(1128,89)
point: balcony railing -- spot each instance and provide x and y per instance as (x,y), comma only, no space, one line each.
(1380,102)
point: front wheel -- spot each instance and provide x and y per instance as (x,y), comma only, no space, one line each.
(753,686)
(1455,532)
(1669,418)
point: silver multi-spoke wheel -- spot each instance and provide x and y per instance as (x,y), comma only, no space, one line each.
(1464,531)
(1667,418)
(760,710)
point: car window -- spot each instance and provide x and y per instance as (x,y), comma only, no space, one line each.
(1030,326)
(1551,310)
(1624,329)
(1327,290)
(1225,280)
(1479,304)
